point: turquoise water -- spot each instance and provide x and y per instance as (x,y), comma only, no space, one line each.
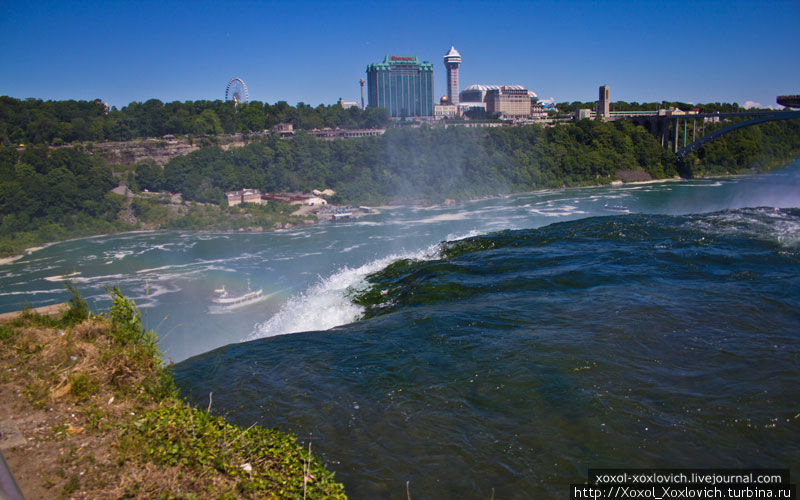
(558,333)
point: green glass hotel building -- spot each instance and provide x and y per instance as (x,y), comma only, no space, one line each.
(403,85)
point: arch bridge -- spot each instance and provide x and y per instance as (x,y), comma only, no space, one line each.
(667,127)
(705,139)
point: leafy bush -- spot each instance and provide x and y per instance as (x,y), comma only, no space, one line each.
(6,332)
(78,310)
(188,437)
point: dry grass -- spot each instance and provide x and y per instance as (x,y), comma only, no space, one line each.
(64,391)
(101,419)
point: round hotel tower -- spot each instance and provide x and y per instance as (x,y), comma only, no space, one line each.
(451,61)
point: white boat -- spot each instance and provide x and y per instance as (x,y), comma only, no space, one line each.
(342,216)
(616,208)
(225,300)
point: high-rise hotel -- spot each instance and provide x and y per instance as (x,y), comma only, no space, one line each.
(403,85)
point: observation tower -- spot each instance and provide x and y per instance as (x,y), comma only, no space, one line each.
(451,61)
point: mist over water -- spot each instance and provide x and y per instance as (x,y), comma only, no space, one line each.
(663,335)
(307,271)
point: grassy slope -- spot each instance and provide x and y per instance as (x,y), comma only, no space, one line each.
(101,418)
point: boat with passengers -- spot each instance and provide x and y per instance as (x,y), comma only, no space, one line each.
(227,300)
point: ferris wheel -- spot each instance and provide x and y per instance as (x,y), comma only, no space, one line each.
(236,91)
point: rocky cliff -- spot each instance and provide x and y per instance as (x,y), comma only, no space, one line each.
(130,152)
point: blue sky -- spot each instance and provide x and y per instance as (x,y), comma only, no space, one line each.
(315,52)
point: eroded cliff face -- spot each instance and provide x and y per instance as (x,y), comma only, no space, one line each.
(160,151)
(131,152)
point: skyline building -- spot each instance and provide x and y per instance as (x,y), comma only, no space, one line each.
(603,104)
(401,84)
(451,61)
(509,101)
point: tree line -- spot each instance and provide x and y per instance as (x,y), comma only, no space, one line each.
(33,121)
(432,164)
(423,164)
(48,194)
(757,147)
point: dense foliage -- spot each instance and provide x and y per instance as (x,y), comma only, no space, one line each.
(46,195)
(757,147)
(421,164)
(33,121)
(433,164)
(158,213)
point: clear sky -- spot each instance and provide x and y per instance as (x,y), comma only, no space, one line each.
(315,52)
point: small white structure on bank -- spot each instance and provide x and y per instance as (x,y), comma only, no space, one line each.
(315,201)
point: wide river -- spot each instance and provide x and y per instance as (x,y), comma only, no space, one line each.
(638,325)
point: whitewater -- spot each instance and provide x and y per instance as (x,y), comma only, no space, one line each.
(309,271)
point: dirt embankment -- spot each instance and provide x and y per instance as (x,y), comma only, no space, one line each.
(54,310)
(89,411)
(634,175)
(160,151)
(130,152)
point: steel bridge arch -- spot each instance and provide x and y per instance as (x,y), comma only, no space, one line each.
(781,115)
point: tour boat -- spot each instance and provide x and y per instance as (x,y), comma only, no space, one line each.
(226,300)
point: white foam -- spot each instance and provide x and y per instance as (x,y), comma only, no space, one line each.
(307,254)
(196,263)
(32,292)
(326,304)
(153,290)
(560,211)
(703,184)
(440,218)
(761,223)
(62,277)
(118,278)
(470,234)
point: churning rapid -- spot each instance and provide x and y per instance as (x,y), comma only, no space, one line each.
(516,359)
(647,325)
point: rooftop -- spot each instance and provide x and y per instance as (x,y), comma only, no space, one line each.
(494,87)
(452,55)
(402,61)
(486,88)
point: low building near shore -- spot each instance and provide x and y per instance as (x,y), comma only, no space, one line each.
(244,196)
(283,129)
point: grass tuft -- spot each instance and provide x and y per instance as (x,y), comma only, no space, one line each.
(118,426)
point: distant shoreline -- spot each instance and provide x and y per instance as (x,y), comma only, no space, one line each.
(615,184)
(29,251)
(25,253)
